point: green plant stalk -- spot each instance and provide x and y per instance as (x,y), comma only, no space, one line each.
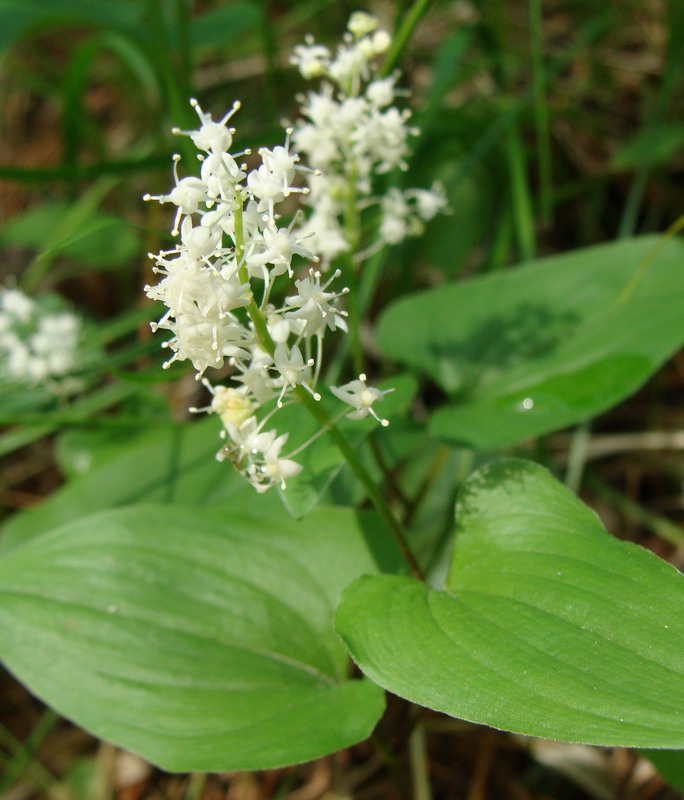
(402,36)
(354,315)
(420,771)
(497,129)
(24,754)
(673,64)
(630,214)
(195,786)
(365,284)
(577,457)
(634,281)
(175,84)
(391,761)
(252,308)
(269,49)
(541,111)
(433,471)
(658,525)
(501,245)
(184,65)
(390,478)
(352,226)
(74,85)
(317,410)
(520,193)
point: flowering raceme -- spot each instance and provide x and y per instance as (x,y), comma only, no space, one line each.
(217,282)
(230,244)
(350,132)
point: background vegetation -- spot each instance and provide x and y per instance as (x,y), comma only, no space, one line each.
(553,124)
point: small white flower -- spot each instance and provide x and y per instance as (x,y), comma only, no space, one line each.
(360,23)
(316,307)
(381,92)
(279,328)
(351,131)
(294,371)
(254,377)
(381,42)
(212,137)
(231,405)
(279,245)
(430,202)
(188,194)
(396,223)
(311,59)
(276,469)
(199,240)
(249,437)
(220,174)
(256,454)
(362,397)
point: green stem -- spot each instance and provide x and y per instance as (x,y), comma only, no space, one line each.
(661,527)
(184,65)
(22,755)
(649,258)
(317,410)
(352,225)
(176,85)
(434,469)
(269,49)
(420,769)
(541,110)
(393,765)
(520,193)
(577,458)
(402,36)
(354,317)
(390,479)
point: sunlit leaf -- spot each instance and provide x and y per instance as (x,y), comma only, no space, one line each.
(547,625)
(201,641)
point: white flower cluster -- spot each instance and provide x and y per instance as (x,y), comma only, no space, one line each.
(230,242)
(38,347)
(350,132)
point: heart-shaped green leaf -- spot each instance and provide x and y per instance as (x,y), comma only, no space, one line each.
(202,641)
(535,348)
(548,626)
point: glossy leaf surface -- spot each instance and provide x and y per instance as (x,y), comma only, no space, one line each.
(547,626)
(202,641)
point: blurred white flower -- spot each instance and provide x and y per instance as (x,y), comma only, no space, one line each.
(38,347)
